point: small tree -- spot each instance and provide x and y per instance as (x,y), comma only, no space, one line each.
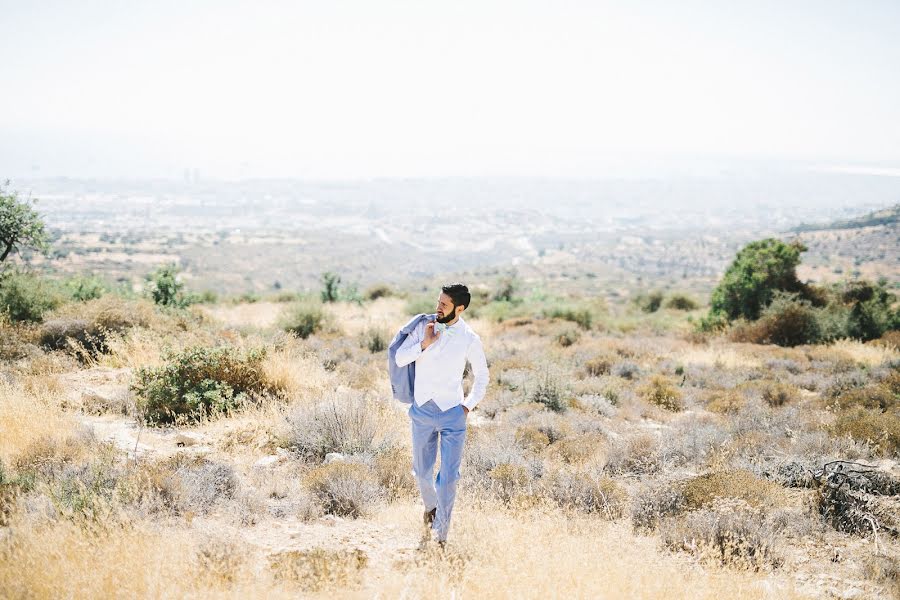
(20,225)
(331,287)
(759,270)
(165,289)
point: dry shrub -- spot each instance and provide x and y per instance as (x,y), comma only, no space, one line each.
(776,394)
(879,429)
(320,569)
(599,365)
(651,504)
(221,561)
(27,416)
(511,482)
(885,571)
(728,533)
(743,485)
(586,492)
(878,396)
(532,438)
(180,485)
(346,421)
(661,391)
(579,448)
(84,327)
(727,402)
(345,489)
(638,453)
(294,372)
(393,469)
(890,339)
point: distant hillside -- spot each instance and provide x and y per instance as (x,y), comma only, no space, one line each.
(887,216)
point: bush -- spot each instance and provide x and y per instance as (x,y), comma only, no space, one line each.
(26,296)
(598,366)
(86,287)
(778,394)
(880,429)
(661,392)
(331,287)
(379,291)
(759,270)
(90,324)
(346,422)
(304,319)
(345,489)
(583,317)
(730,534)
(199,381)
(702,491)
(650,303)
(376,339)
(165,287)
(681,302)
(549,391)
(787,321)
(585,493)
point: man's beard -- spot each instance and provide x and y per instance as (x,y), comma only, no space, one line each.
(447,318)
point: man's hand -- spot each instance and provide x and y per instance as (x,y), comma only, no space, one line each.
(431,336)
(466,409)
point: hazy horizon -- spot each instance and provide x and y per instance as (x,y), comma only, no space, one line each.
(354,90)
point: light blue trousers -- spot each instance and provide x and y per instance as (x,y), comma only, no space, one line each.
(431,426)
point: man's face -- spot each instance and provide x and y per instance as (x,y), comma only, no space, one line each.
(446,312)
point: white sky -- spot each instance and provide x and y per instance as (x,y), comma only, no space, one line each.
(341,88)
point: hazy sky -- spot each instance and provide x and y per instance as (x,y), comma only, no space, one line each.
(341,88)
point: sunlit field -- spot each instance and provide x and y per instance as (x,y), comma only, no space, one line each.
(618,453)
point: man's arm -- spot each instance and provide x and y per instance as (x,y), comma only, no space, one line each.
(415,344)
(475,355)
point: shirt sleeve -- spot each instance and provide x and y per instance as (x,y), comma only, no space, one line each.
(475,356)
(411,348)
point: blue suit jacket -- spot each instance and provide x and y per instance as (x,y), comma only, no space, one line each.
(403,379)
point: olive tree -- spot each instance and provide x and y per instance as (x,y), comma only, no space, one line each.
(20,225)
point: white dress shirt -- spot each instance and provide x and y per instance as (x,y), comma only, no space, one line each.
(439,368)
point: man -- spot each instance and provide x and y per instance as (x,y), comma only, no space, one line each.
(439,411)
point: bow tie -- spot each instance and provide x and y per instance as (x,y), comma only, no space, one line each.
(443,328)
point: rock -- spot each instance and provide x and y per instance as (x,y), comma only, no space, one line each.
(188,439)
(333,457)
(267,461)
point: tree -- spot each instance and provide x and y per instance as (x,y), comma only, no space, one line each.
(759,270)
(330,287)
(165,287)
(20,225)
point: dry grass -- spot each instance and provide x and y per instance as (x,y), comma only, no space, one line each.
(27,416)
(870,355)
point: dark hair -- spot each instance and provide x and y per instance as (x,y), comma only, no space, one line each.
(458,293)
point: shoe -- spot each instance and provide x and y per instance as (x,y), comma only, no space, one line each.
(428,518)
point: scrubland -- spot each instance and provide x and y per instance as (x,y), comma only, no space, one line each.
(617,454)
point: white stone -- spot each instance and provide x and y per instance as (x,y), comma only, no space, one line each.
(188,439)
(266,461)
(333,456)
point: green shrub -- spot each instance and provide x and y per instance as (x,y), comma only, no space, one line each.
(759,270)
(376,339)
(304,319)
(199,381)
(164,286)
(86,287)
(650,303)
(582,316)
(787,321)
(330,287)
(26,296)
(681,302)
(550,392)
